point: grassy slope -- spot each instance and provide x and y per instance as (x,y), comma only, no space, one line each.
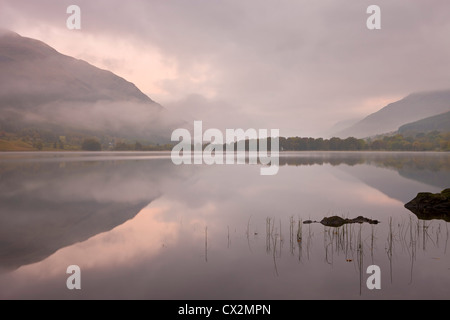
(19,145)
(15,145)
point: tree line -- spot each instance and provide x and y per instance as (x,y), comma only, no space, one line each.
(433,141)
(39,139)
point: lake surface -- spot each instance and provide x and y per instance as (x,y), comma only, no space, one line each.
(140,227)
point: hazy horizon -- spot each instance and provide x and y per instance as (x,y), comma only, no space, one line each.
(301,67)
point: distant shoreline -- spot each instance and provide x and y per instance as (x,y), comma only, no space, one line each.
(168,151)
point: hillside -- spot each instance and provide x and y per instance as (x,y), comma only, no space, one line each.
(46,90)
(440,123)
(412,108)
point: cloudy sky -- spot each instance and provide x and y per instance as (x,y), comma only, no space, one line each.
(299,66)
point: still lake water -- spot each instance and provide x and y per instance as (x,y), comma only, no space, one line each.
(140,227)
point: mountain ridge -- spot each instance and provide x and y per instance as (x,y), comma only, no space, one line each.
(44,88)
(414,107)
(18,49)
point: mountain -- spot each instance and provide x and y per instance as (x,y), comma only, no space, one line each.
(42,88)
(340,126)
(414,107)
(440,123)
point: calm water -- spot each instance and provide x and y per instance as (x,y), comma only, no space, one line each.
(140,227)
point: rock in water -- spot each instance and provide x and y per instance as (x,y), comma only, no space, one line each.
(428,206)
(336,221)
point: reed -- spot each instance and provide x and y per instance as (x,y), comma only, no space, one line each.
(206,243)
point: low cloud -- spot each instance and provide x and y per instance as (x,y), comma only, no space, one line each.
(300,66)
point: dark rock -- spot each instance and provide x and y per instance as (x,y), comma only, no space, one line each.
(428,206)
(336,221)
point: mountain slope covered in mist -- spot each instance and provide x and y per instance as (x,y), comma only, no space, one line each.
(412,108)
(42,88)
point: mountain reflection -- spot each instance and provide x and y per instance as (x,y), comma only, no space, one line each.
(150,229)
(50,201)
(432,170)
(45,206)
(429,168)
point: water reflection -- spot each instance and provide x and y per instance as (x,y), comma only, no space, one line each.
(47,205)
(148,229)
(428,168)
